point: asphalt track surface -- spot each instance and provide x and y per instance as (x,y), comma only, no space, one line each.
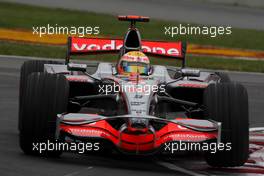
(14,163)
(190,11)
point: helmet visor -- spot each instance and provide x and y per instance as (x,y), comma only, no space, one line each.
(135,67)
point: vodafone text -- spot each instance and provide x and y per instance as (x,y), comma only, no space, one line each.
(113,45)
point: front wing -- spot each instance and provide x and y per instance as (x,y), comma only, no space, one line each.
(95,127)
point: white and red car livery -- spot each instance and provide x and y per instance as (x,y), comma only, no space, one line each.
(71,102)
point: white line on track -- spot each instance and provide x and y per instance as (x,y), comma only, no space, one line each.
(9,74)
(43,58)
(256,129)
(27,57)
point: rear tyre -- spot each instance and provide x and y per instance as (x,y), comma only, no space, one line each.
(46,95)
(27,68)
(228,103)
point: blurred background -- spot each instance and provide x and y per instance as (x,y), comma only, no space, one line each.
(243,50)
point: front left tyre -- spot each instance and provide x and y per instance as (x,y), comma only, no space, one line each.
(228,103)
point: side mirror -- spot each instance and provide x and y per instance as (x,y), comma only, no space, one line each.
(77,67)
(190,72)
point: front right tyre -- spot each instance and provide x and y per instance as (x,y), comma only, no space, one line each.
(29,67)
(224,78)
(45,96)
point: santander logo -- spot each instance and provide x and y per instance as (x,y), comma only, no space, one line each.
(82,45)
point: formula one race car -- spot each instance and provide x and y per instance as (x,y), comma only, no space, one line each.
(132,107)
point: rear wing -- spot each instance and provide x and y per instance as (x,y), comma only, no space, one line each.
(88,46)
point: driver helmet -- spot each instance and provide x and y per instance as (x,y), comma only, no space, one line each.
(134,62)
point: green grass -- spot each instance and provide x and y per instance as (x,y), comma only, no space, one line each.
(25,17)
(9,48)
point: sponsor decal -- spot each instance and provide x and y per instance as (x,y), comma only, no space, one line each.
(134,103)
(192,85)
(135,56)
(137,96)
(87,132)
(84,45)
(73,78)
(187,137)
(138,111)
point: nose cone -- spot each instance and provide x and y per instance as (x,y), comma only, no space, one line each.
(138,125)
